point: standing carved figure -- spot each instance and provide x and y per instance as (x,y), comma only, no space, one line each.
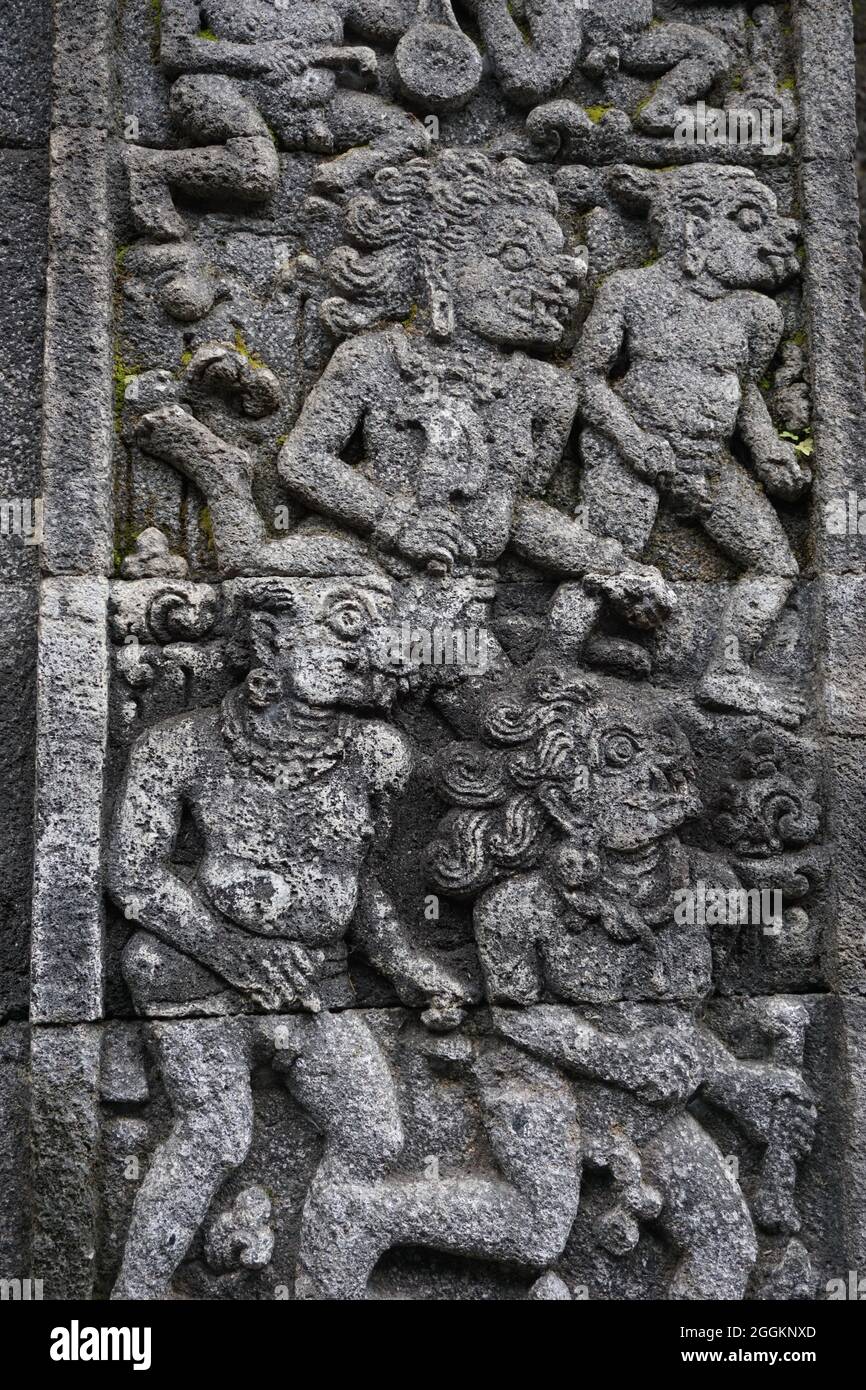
(686,419)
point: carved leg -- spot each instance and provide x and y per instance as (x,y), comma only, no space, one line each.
(704,1213)
(344,1082)
(525,1216)
(744,524)
(530,71)
(205,1070)
(221,471)
(243,164)
(622,505)
(690,59)
(224,475)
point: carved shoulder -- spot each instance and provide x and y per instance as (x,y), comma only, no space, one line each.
(385,753)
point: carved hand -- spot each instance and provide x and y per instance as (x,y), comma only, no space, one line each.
(274,974)
(659,1066)
(688,491)
(782,473)
(652,457)
(638,592)
(776,1096)
(444,992)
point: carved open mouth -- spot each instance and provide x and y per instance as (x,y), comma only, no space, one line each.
(779,263)
(539,306)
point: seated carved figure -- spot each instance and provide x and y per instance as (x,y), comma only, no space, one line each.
(670,364)
(460,422)
(460,425)
(565,830)
(290,785)
(249,73)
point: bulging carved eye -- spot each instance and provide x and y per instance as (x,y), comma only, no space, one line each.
(514,257)
(347,619)
(749,219)
(619,749)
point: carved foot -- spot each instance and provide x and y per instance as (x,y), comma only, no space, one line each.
(619,655)
(747,693)
(153,211)
(565,123)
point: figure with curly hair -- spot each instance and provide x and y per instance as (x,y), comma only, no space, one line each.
(436,426)
(564,831)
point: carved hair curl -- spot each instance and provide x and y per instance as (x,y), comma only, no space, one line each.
(413,219)
(500,790)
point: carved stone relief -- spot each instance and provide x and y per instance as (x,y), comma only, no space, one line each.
(466,755)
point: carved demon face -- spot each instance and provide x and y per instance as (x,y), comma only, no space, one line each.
(324,641)
(622,773)
(518,286)
(640,777)
(727,225)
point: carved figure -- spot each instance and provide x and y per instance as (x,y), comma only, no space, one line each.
(696,332)
(291,789)
(621,36)
(249,73)
(566,825)
(460,428)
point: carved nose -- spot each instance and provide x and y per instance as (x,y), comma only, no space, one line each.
(791,230)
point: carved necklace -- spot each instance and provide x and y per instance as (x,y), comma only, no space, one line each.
(301,750)
(450,371)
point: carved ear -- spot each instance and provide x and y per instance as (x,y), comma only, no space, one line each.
(439,298)
(633,186)
(262,629)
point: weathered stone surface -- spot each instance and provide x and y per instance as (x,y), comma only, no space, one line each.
(14,1151)
(17,699)
(25,72)
(66,964)
(64,1134)
(449,854)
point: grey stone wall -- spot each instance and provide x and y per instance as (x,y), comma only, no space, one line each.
(25,68)
(439,759)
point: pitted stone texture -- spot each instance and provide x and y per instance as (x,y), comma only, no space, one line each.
(72,724)
(64,1081)
(464,705)
(23,249)
(499,1169)
(17,700)
(77,415)
(25,72)
(15,1205)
